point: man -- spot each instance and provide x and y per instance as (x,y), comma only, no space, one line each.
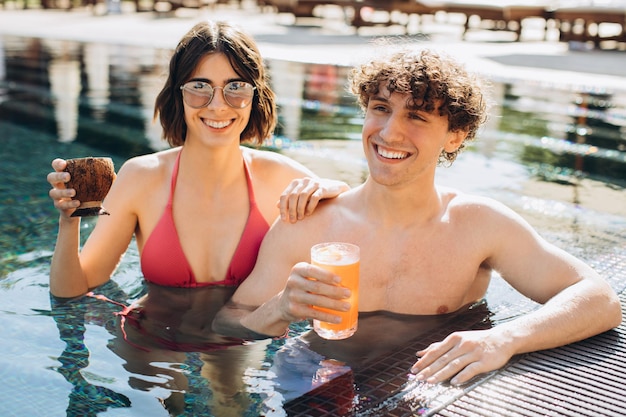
(425,249)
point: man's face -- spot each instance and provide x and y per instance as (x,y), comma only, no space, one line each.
(403,144)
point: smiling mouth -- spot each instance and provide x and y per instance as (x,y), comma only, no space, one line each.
(217,125)
(389,154)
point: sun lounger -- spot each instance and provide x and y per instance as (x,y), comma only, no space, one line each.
(504,15)
(354,8)
(405,7)
(584,24)
(574,23)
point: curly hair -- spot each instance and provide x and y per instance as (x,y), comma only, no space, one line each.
(435,82)
(242,52)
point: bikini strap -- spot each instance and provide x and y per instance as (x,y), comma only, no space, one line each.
(249,182)
(174,177)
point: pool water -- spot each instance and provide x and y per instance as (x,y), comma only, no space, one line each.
(556,154)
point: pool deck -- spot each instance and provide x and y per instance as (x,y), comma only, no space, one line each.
(582,379)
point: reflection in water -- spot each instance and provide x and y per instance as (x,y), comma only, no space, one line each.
(64,81)
(289,90)
(321,86)
(113,89)
(167,346)
(97,71)
(97,94)
(568,134)
(3,69)
(85,398)
(152,127)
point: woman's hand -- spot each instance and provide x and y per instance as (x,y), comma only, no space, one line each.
(60,195)
(302,196)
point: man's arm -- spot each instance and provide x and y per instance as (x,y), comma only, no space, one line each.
(306,286)
(279,251)
(580,311)
(577,303)
(283,287)
(228,322)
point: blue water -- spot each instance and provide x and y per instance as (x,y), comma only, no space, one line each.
(555,155)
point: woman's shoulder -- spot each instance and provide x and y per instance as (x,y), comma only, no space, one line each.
(151,163)
(273,162)
(142,169)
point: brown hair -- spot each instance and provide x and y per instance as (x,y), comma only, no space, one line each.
(435,82)
(216,37)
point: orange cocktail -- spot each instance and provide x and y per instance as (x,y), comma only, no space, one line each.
(343,260)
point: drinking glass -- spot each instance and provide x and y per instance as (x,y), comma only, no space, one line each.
(342,259)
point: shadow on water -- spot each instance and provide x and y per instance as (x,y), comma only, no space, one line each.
(556,155)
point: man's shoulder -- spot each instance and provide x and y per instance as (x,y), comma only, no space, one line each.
(329,214)
(476,208)
(456,197)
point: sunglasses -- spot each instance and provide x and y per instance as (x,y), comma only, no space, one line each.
(198,94)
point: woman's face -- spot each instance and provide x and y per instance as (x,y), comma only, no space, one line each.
(217,123)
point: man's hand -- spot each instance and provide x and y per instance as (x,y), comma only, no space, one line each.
(309,286)
(463,355)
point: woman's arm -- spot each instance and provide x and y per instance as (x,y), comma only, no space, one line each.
(74,271)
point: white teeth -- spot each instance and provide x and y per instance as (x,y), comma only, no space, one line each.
(217,125)
(391,154)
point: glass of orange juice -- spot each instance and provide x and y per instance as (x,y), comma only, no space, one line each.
(343,260)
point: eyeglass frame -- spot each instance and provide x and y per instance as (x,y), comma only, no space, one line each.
(213,88)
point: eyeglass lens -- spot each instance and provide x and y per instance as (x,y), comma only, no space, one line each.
(198,94)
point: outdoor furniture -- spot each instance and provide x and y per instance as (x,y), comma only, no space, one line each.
(505,16)
(299,8)
(405,7)
(353,8)
(583,24)
(44,4)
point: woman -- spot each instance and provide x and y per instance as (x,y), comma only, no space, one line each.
(199,210)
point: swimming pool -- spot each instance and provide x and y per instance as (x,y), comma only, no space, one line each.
(554,153)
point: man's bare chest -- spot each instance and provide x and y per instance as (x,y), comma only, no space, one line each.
(426,281)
